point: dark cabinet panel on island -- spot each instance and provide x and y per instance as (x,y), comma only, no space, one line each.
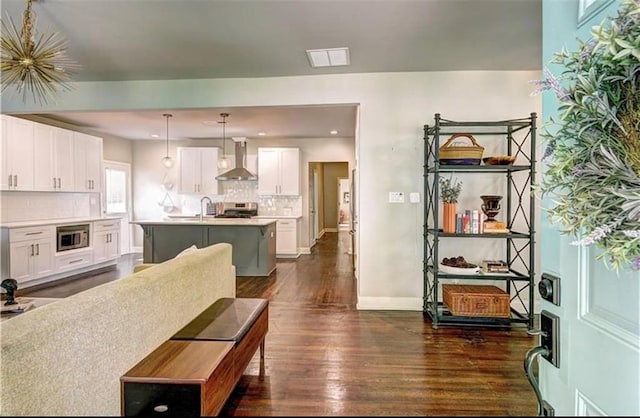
(253,244)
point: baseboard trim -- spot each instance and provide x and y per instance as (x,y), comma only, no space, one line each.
(389,304)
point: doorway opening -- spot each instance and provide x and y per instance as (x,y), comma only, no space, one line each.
(117,199)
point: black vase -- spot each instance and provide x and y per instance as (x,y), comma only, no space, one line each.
(490,206)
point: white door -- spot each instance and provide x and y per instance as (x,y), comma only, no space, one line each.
(354,221)
(117,199)
(312,206)
(598,350)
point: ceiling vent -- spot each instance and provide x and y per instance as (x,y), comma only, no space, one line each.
(331,57)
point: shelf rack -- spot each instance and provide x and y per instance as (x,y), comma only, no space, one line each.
(520,137)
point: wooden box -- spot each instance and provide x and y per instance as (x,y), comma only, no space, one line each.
(476,300)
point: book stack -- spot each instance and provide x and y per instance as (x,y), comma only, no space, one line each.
(469,222)
(495,227)
(494,266)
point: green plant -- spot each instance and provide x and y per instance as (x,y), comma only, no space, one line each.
(450,190)
(592,154)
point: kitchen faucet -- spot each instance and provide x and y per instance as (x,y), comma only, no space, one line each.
(201,201)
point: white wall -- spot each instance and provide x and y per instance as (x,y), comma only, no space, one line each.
(389,146)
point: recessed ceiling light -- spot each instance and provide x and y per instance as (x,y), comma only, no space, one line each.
(155,136)
(262,133)
(328,57)
(334,132)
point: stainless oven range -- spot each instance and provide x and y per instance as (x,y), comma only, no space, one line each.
(70,237)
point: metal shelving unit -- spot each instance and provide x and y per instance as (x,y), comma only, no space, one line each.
(520,138)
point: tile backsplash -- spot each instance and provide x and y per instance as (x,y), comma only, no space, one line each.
(34,206)
(246,191)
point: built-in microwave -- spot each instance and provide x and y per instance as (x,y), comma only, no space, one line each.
(71,237)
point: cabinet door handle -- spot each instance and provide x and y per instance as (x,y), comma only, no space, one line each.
(15,180)
(10,180)
(32,252)
(59,183)
(54,182)
(37,249)
(34,233)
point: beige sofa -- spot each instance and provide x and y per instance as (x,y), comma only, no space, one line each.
(66,358)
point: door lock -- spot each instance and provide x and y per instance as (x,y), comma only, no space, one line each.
(549,288)
(550,337)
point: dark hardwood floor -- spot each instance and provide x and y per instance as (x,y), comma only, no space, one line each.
(324,357)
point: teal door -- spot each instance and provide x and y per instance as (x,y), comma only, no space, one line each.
(599,345)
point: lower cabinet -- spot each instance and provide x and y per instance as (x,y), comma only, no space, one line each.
(73,259)
(287,237)
(106,240)
(30,253)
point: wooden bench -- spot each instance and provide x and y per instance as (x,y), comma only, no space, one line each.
(194,372)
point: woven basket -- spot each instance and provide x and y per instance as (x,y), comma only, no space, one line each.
(476,300)
(455,154)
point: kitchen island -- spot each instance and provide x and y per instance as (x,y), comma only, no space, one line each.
(253,240)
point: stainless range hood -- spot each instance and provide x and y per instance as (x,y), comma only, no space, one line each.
(240,172)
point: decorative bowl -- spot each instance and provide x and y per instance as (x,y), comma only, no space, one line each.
(499,160)
(458,270)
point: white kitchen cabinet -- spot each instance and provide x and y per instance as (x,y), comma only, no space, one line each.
(87,157)
(32,252)
(198,170)
(53,158)
(71,260)
(287,238)
(287,231)
(16,148)
(106,240)
(278,171)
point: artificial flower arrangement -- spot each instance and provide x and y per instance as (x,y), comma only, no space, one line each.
(450,190)
(593,157)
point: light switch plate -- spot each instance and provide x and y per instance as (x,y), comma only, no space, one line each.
(396,197)
(414,197)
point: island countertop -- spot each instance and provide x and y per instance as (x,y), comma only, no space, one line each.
(207,221)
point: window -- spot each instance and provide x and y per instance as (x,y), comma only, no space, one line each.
(115,191)
(589,8)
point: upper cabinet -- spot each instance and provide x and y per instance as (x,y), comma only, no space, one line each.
(53,158)
(198,170)
(16,158)
(39,157)
(279,171)
(87,162)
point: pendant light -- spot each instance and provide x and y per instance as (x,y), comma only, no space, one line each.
(166,160)
(224,163)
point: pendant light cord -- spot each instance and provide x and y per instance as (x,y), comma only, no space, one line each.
(167,115)
(224,135)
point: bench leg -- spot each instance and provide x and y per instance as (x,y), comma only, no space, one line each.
(261,375)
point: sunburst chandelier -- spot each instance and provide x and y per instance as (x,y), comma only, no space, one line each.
(35,65)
